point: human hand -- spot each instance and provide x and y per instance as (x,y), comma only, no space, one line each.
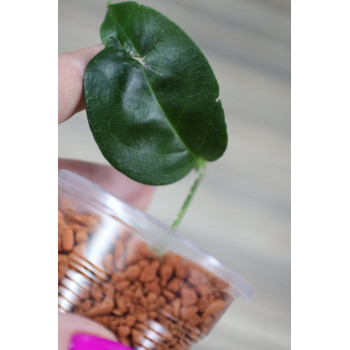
(71,67)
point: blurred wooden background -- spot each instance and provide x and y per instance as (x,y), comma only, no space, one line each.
(241,213)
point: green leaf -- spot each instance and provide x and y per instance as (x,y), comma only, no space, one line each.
(152,98)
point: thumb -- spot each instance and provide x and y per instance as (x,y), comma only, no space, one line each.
(76,332)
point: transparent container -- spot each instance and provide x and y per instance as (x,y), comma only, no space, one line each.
(129,272)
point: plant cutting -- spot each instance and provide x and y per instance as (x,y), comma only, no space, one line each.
(152,99)
(153,107)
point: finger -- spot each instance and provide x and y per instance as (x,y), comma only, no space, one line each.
(71,67)
(111,180)
(69,325)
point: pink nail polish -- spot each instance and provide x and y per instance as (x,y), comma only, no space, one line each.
(91,342)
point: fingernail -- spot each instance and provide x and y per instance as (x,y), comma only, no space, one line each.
(91,342)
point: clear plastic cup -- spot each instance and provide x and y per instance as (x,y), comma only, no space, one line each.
(126,270)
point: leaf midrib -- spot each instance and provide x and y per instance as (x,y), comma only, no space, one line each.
(144,68)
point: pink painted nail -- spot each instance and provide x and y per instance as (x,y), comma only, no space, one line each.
(91,342)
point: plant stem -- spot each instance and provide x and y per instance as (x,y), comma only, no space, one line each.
(200,174)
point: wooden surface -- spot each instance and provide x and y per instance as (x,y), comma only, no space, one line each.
(241,213)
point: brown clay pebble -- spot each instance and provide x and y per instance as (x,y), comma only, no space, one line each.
(67,239)
(157,302)
(85,220)
(151,297)
(141,317)
(133,253)
(123,331)
(59,242)
(214,307)
(84,293)
(203,303)
(80,249)
(149,273)
(125,341)
(132,272)
(62,265)
(175,285)
(119,255)
(81,236)
(181,270)
(169,295)
(122,285)
(197,277)
(108,289)
(96,291)
(121,306)
(165,273)
(204,289)
(117,277)
(136,336)
(143,263)
(76,228)
(176,307)
(153,287)
(130,320)
(108,264)
(86,305)
(60,215)
(187,312)
(102,319)
(103,308)
(188,296)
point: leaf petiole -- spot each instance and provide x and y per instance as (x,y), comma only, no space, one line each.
(200,169)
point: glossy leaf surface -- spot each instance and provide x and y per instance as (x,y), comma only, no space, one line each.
(151,97)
